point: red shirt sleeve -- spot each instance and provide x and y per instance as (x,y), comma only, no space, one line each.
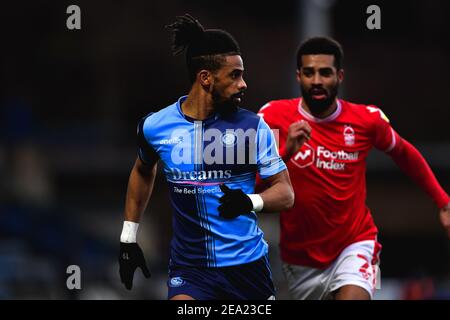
(409,159)
(384,137)
(406,156)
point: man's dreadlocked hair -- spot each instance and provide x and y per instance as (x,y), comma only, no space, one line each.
(205,48)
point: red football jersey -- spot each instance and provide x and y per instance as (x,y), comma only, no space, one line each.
(328,177)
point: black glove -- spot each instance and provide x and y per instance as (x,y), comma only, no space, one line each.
(234,202)
(130,258)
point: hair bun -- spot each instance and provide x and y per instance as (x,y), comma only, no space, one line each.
(186,29)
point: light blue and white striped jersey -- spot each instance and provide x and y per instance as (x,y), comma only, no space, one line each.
(197,157)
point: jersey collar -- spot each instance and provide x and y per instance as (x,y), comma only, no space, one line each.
(329,118)
(206,121)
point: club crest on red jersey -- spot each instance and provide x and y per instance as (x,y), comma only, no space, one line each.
(349,135)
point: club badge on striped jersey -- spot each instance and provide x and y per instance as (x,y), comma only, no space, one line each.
(176,282)
(229,139)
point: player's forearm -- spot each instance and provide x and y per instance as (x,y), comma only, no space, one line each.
(279,197)
(409,159)
(140,187)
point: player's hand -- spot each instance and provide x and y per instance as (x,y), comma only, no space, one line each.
(445,218)
(298,133)
(130,258)
(234,202)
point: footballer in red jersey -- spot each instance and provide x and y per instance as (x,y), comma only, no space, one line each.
(328,240)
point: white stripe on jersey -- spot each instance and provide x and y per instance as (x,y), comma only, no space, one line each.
(393,142)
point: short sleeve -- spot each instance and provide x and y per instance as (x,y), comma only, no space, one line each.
(268,160)
(146,152)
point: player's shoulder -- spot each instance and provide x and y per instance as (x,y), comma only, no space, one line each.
(279,106)
(368,112)
(242,118)
(241,112)
(164,115)
(248,115)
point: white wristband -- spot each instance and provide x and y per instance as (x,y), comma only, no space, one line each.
(129,232)
(257,201)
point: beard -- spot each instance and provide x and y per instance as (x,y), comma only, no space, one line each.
(225,106)
(318,106)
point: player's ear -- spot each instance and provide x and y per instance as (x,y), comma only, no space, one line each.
(298,75)
(204,77)
(340,75)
